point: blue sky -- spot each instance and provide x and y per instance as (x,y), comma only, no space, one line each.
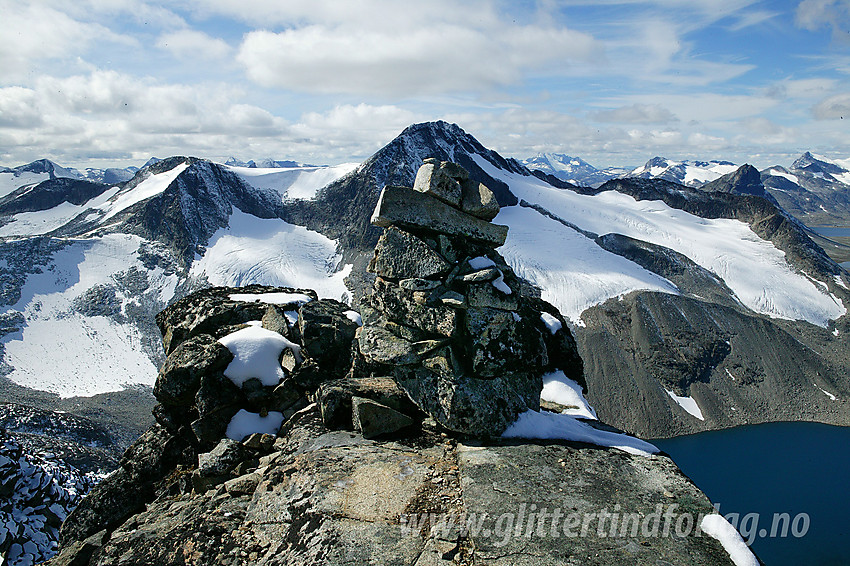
(96,82)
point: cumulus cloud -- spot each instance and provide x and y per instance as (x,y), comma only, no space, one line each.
(36,32)
(417,57)
(815,15)
(834,107)
(636,114)
(193,44)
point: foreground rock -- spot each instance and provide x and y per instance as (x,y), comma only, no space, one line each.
(333,497)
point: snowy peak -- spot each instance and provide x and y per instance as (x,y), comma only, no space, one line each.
(573,170)
(690,173)
(817,164)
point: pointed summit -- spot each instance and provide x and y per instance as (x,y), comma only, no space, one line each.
(746,180)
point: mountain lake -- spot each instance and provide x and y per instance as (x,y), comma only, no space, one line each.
(786,476)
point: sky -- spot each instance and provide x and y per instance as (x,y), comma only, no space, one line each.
(615,82)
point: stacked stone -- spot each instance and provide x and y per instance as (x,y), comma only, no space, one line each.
(446,316)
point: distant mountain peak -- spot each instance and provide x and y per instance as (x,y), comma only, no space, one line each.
(817,164)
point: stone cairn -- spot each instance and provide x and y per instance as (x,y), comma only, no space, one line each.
(447,317)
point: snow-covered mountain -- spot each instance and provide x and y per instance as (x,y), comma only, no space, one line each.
(689,173)
(669,288)
(573,170)
(86,266)
(44,169)
(814,189)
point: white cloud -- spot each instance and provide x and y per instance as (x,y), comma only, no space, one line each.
(834,107)
(814,15)
(635,114)
(193,44)
(452,51)
(36,32)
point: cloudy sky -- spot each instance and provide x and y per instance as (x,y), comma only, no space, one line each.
(96,82)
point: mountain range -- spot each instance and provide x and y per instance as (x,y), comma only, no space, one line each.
(679,297)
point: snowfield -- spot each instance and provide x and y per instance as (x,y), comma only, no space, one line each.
(150,187)
(293,182)
(64,352)
(272,252)
(573,272)
(754,269)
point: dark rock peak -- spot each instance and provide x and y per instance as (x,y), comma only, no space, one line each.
(50,193)
(38,166)
(810,163)
(746,180)
(151,161)
(353,197)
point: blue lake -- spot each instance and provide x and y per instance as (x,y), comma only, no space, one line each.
(772,469)
(832,231)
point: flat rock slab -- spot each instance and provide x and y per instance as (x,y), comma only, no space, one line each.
(406,208)
(510,482)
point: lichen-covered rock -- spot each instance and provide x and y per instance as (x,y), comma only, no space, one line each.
(180,375)
(372,419)
(401,255)
(125,492)
(409,209)
(478,200)
(326,335)
(210,310)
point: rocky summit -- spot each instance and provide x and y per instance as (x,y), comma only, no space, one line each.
(295,430)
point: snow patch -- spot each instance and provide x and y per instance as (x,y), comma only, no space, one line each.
(717,527)
(573,272)
(244,424)
(150,187)
(271,298)
(688,403)
(64,352)
(546,425)
(354,317)
(825,392)
(256,353)
(780,173)
(293,182)
(729,373)
(560,389)
(552,323)
(755,270)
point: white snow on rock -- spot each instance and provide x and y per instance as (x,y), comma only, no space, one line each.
(481,262)
(755,270)
(558,388)
(717,527)
(354,317)
(573,272)
(244,424)
(780,173)
(689,404)
(272,252)
(44,221)
(552,323)
(825,392)
(256,353)
(546,425)
(62,351)
(150,187)
(9,182)
(293,182)
(272,298)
